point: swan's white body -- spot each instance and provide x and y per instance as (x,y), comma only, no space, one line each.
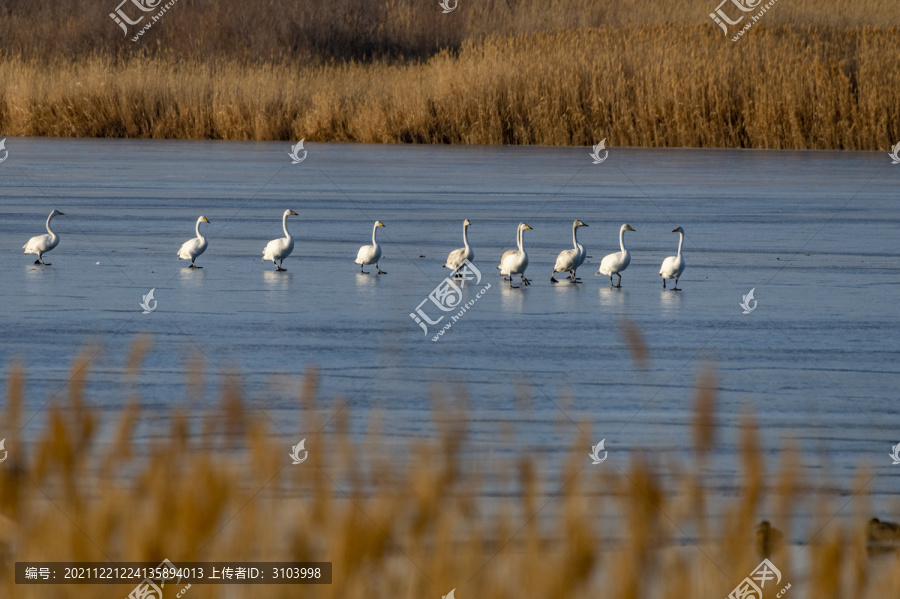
(673,266)
(569,260)
(192,248)
(41,244)
(615,263)
(514,262)
(370,254)
(456,258)
(279,249)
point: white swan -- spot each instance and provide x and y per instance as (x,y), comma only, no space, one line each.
(40,244)
(457,257)
(279,249)
(569,260)
(615,263)
(673,266)
(370,254)
(192,248)
(514,262)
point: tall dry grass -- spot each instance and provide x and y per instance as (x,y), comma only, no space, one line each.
(565,72)
(405,525)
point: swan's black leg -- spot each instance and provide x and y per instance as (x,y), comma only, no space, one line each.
(574,278)
(664,282)
(381,272)
(620,281)
(610,282)
(511,286)
(552,280)
(361,269)
(526,281)
(675,288)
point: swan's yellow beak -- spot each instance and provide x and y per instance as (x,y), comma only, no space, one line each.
(629,228)
(60,213)
(674,230)
(293,213)
(527,227)
(380,224)
(206,220)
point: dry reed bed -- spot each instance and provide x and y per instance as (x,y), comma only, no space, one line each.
(784,87)
(401,529)
(317,31)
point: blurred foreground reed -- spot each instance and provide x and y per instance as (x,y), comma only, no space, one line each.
(403,528)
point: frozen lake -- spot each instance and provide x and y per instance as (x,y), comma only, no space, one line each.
(815,233)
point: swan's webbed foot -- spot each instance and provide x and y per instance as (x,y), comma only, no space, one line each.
(675,287)
(381,272)
(38,261)
(552,280)
(526,281)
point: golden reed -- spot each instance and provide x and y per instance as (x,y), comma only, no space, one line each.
(568,72)
(411,520)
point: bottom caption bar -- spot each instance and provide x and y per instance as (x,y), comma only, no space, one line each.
(152,576)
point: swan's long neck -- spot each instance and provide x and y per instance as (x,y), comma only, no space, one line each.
(374,230)
(519,236)
(622,240)
(680,241)
(197,229)
(283,225)
(48,223)
(466,236)
(575,236)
